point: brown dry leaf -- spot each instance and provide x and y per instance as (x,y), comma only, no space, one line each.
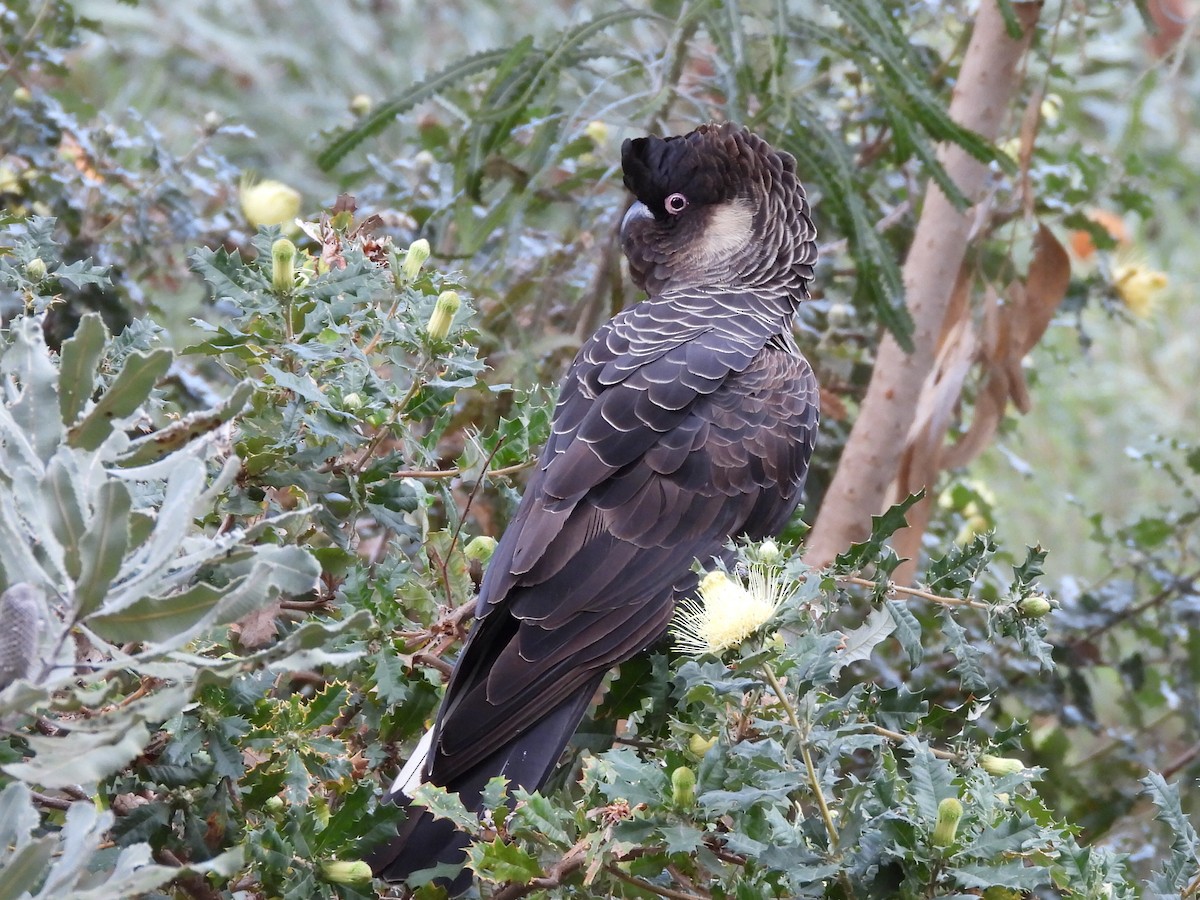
(258,629)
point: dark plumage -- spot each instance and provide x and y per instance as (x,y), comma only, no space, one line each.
(684,421)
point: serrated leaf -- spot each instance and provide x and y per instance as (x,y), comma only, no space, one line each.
(322,709)
(908,631)
(445,805)
(1185,845)
(128,391)
(1011,873)
(862,641)
(882,527)
(538,814)
(931,781)
(969,666)
(503,862)
(79,357)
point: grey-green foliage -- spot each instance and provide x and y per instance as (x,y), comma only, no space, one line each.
(108,578)
(60,865)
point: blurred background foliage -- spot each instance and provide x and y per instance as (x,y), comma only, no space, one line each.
(493,130)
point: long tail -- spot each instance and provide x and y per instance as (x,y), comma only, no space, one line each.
(424,841)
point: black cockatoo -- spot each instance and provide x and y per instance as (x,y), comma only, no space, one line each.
(684,421)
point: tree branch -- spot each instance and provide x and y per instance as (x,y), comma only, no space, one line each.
(986,85)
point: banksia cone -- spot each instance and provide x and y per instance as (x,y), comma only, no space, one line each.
(443,315)
(949,814)
(283,266)
(1000,765)
(20,627)
(269,203)
(418,252)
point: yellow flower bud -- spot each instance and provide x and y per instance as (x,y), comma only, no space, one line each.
(1034,606)
(597,131)
(418,252)
(36,269)
(1051,108)
(269,203)
(443,315)
(683,787)
(338,871)
(768,551)
(1000,765)
(283,266)
(361,105)
(698,745)
(1138,287)
(480,548)
(949,814)
(352,401)
(21,95)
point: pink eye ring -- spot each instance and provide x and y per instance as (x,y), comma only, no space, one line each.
(675,204)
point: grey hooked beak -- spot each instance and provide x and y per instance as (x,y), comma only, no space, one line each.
(639,210)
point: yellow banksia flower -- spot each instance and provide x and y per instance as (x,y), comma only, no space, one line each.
(597,131)
(340,871)
(683,787)
(418,252)
(726,612)
(269,203)
(949,814)
(283,266)
(440,320)
(1138,286)
(1000,765)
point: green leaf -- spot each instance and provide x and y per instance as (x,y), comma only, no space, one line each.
(861,642)
(969,666)
(64,510)
(102,548)
(908,631)
(1011,873)
(80,757)
(1185,845)
(24,869)
(78,360)
(931,781)
(182,432)
(503,862)
(128,391)
(882,527)
(28,361)
(445,806)
(538,814)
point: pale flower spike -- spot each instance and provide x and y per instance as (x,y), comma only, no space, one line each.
(726,612)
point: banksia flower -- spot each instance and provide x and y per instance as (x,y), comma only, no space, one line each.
(726,612)
(283,266)
(1000,765)
(269,203)
(1034,606)
(480,548)
(443,315)
(418,252)
(698,745)
(1138,287)
(339,871)
(949,814)
(20,628)
(683,787)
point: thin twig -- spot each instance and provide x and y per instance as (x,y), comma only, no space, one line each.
(801,733)
(653,888)
(901,738)
(915,592)
(455,472)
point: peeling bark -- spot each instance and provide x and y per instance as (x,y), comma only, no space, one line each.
(987,83)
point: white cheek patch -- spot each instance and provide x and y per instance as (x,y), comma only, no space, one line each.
(728,230)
